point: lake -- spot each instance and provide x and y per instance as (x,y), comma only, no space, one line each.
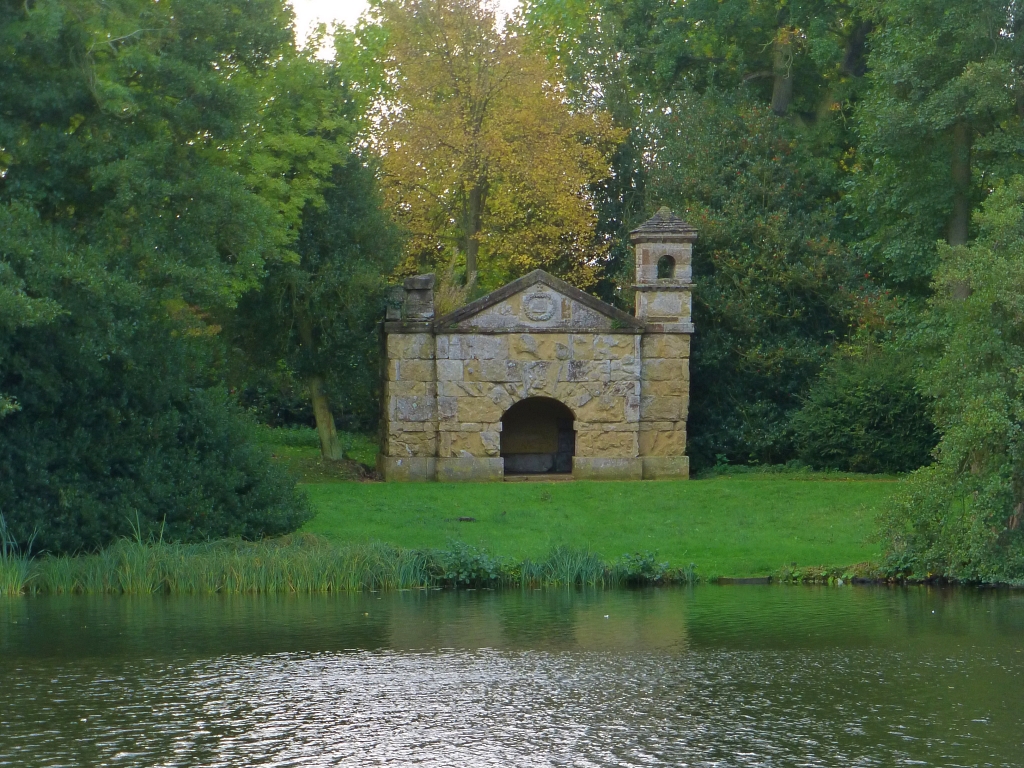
(708,676)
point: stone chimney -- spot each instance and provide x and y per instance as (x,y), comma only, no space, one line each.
(413,301)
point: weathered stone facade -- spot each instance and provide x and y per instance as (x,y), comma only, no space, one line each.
(450,382)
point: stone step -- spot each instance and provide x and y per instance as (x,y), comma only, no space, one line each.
(540,478)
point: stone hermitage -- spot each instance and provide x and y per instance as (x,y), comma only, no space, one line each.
(539,377)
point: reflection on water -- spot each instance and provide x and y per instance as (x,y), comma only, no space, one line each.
(730,676)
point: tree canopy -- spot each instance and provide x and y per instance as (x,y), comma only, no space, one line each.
(939,124)
(482,157)
(134,206)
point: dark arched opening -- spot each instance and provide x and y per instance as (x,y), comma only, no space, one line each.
(666,268)
(537,437)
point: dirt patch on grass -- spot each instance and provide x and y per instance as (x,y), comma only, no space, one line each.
(313,469)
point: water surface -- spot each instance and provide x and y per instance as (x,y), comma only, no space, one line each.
(712,676)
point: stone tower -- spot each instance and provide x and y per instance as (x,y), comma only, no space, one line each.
(664,246)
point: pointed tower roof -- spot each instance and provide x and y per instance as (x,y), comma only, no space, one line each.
(663,227)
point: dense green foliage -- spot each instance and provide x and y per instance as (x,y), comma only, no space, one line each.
(939,122)
(313,321)
(773,288)
(865,414)
(126,221)
(962,516)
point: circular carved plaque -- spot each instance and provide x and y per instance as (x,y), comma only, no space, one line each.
(539,306)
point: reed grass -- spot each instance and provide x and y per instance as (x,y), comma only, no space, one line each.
(14,575)
(15,565)
(308,564)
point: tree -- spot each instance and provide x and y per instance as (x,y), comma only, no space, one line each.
(134,208)
(962,516)
(482,157)
(939,124)
(313,313)
(773,288)
(804,59)
(317,316)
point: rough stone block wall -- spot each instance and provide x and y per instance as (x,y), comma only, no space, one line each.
(665,381)
(480,376)
(410,396)
(446,395)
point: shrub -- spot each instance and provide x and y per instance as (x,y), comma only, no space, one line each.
(864,414)
(461,565)
(187,467)
(640,568)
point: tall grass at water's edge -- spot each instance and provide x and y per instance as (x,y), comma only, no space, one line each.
(308,564)
(15,565)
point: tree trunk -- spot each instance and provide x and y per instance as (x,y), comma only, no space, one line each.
(782,73)
(474,215)
(961,177)
(855,62)
(330,446)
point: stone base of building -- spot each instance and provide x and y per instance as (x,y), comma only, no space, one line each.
(479,470)
(470,470)
(407,469)
(666,467)
(607,469)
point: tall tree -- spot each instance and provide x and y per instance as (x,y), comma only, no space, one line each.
(790,54)
(773,288)
(940,123)
(963,516)
(482,156)
(805,60)
(135,198)
(316,316)
(305,313)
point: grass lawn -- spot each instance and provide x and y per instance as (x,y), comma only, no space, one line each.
(739,525)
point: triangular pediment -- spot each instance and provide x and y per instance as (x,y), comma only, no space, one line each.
(536,302)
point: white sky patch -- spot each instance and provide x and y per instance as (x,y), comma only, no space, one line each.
(309,13)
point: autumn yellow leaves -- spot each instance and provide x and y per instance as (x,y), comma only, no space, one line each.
(485,159)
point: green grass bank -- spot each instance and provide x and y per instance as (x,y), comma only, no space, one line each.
(735,524)
(372,535)
(742,525)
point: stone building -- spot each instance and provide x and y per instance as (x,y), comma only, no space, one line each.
(540,377)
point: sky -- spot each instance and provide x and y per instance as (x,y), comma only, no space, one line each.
(310,12)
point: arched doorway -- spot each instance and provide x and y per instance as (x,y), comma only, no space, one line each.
(537,437)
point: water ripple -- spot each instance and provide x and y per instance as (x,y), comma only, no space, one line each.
(690,694)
